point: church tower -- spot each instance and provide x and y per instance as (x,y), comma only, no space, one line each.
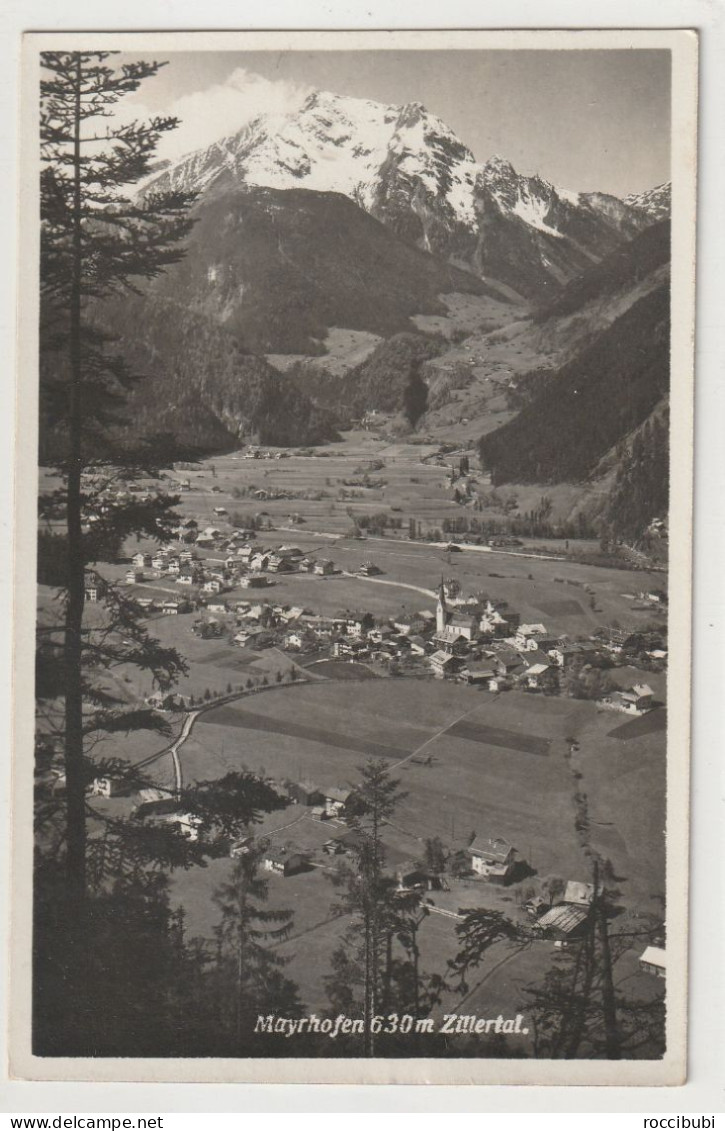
(441,609)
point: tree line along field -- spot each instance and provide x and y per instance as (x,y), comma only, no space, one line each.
(470,784)
(414,482)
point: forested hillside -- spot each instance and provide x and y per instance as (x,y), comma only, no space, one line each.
(586,407)
(390,379)
(621,270)
(641,488)
(278,268)
(202,388)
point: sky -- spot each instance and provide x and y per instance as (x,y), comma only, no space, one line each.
(585,120)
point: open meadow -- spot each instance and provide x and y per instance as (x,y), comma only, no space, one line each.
(469,762)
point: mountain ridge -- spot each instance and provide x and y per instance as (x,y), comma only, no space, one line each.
(408,169)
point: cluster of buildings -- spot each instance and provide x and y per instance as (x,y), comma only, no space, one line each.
(485,644)
(242,565)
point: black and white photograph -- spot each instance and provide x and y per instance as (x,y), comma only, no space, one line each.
(358,387)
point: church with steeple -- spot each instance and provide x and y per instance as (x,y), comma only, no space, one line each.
(441,608)
(454,629)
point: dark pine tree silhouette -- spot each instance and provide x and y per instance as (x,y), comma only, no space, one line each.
(95,240)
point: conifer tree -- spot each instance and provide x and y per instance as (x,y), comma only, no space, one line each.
(249,971)
(368,897)
(96,240)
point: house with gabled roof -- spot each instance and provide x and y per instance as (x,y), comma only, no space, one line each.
(633,700)
(565,921)
(450,640)
(493,858)
(444,664)
(95,586)
(479,672)
(531,636)
(653,960)
(579,894)
(336,798)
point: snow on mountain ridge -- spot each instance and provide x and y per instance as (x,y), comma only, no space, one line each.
(410,171)
(654,202)
(336,143)
(340,144)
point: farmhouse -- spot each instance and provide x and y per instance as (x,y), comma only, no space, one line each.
(172,701)
(170,608)
(507,662)
(107,786)
(356,649)
(165,811)
(284,861)
(186,824)
(254,581)
(249,637)
(564,921)
(443,664)
(564,655)
(411,876)
(335,799)
(579,894)
(369,569)
(492,858)
(289,613)
(280,563)
(408,624)
(478,673)
(95,586)
(140,560)
(450,640)
(323,567)
(531,636)
(653,960)
(497,620)
(416,645)
(305,792)
(241,847)
(532,677)
(634,700)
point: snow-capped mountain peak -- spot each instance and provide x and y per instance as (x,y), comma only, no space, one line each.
(339,144)
(409,170)
(655,203)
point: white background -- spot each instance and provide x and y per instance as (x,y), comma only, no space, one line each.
(705,1090)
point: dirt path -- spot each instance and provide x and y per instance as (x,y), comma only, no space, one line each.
(433,737)
(396,584)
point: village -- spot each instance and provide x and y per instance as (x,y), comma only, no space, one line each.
(219,584)
(467,637)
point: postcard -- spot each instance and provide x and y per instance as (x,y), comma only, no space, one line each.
(352,635)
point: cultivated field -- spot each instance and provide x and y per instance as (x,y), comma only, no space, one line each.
(492,765)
